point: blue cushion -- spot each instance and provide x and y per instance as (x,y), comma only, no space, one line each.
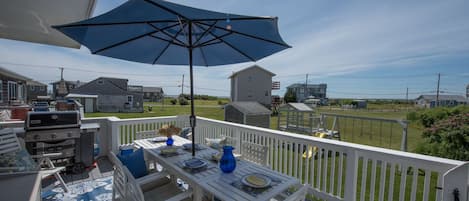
(135,163)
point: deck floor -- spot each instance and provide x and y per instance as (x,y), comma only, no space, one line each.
(103,169)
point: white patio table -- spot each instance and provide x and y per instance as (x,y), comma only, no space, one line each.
(224,186)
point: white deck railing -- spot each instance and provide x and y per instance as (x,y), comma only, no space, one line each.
(334,170)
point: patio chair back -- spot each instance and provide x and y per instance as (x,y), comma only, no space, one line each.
(146,134)
(120,178)
(254,152)
(8,141)
(134,192)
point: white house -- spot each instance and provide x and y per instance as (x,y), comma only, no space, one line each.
(429,101)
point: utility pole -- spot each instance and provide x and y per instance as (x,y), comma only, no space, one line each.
(438,91)
(407,99)
(306,86)
(182,85)
(61,73)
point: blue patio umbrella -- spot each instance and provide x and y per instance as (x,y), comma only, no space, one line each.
(161,32)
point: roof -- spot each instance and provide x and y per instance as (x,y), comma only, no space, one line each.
(250,107)
(35,83)
(13,75)
(78,82)
(296,85)
(31,20)
(107,87)
(80,96)
(254,66)
(153,89)
(300,107)
(444,97)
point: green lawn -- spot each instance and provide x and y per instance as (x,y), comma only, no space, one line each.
(373,136)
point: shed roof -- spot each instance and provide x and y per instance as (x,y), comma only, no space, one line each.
(300,107)
(13,75)
(254,66)
(250,107)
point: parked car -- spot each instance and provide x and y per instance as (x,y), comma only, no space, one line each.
(41,107)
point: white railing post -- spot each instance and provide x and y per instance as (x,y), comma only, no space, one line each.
(115,135)
(351,173)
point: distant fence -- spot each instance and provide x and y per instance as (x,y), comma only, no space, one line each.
(389,133)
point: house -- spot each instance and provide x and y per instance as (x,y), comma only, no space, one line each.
(152,94)
(303,92)
(252,84)
(249,113)
(12,87)
(62,87)
(35,90)
(106,94)
(429,101)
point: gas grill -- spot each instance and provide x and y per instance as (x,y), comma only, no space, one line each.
(59,132)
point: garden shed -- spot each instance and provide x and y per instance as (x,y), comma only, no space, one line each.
(249,113)
(297,118)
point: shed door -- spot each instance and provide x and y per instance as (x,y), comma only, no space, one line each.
(89,106)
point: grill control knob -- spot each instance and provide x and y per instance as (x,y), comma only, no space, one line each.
(53,136)
(36,137)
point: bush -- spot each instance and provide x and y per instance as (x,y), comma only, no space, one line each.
(428,117)
(289,96)
(173,101)
(447,138)
(183,101)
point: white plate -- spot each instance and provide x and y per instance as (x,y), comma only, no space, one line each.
(265,181)
(195,163)
(158,139)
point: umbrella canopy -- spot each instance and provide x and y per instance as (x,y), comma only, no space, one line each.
(161,32)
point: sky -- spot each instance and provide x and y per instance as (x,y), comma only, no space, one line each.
(360,49)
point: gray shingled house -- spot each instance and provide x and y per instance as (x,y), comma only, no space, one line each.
(249,113)
(152,94)
(113,95)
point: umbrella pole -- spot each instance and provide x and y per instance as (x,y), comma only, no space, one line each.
(192,117)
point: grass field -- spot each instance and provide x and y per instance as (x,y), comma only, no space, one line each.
(374,136)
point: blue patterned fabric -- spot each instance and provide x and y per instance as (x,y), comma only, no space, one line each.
(95,190)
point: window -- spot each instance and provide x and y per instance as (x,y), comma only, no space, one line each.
(12,90)
(130,99)
(32,88)
(42,88)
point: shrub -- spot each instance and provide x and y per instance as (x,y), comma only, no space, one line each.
(173,101)
(447,138)
(183,101)
(289,96)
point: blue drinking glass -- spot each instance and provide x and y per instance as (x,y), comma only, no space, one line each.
(169,141)
(227,161)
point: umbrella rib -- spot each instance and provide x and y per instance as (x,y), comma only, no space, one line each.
(169,35)
(167,45)
(166,9)
(128,40)
(111,23)
(235,19)
(203,56)
(169,41)
(232,46)
(204,33)
(209,42)
(251,36)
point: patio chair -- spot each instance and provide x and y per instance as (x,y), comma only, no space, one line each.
(255,153)
(145,135)
(126,187)
(20,161)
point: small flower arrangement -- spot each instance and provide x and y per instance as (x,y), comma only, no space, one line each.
(169,130)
